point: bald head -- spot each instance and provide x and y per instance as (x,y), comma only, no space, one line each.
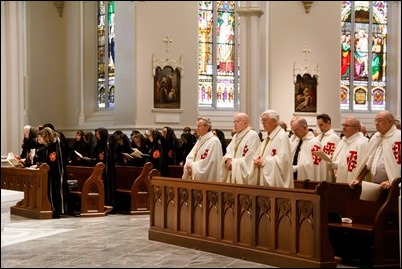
(240,121)
(384,121)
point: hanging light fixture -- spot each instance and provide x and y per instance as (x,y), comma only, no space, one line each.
(307,5)
(59,6)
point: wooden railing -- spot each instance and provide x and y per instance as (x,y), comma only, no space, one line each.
(34,184)
(276,226)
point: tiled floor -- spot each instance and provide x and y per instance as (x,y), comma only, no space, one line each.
(111,241)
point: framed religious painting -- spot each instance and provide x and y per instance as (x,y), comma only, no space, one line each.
(305,95)
(167,87)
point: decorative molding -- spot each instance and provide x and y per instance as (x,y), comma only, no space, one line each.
(307,5)
(174,63)
(59,7)
(306,69)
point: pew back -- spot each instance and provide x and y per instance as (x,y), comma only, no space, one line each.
(88,198)
(372,237)
(277,226)
(34,184)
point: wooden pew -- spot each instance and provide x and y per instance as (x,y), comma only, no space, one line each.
(175,171)
(276,226)
(34,184)
(88,198)
(372,239)
(132,189)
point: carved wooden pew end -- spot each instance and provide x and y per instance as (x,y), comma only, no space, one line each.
(132,189)
(87,199)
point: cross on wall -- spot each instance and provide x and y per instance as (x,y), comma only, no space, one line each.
(168,41)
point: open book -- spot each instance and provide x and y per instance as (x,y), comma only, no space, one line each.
(81,156)
(127,155)
(322,155)
(137,153)
(13,161)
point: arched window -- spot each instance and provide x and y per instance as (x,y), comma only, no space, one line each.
(218,70)
(105,56)
(363,55)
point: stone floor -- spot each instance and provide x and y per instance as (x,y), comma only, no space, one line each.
(112,241)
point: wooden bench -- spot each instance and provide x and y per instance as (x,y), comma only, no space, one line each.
(132,189)
(277,226)
(175,171)
(34,184)
(372,239)
(87,199)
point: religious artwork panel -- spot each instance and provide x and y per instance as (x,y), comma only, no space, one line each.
(166,87)
(305,99)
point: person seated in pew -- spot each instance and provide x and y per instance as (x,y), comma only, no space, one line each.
(238,160)
(138,142)
(204,160)
(383,159)
(272,161)
(349,152)
(123,145)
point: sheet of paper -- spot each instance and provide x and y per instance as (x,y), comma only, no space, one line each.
(370,191)
(127,155)
(322,155)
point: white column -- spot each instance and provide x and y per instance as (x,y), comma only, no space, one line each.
(250,13)
(14,111)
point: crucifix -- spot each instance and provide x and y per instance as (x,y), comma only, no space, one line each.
(306,51)
(167,40)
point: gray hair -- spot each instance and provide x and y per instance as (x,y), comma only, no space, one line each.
(270,113)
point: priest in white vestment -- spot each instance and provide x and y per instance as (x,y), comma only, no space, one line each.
(205,159)
(305,164)
(272,161)
(349,152)
(238,160)
(383,159)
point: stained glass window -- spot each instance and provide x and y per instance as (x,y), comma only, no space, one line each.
(218,70)
(106,52)
(363,55)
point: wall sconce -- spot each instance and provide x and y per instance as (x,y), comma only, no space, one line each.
(59,7)
(307,5)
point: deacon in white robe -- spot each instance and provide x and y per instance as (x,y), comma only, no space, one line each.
(349,152)
(383,158)
(238,160)
(272,162)
(308,165)
(205,159)
(329,140)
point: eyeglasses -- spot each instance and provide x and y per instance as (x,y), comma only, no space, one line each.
(346,126)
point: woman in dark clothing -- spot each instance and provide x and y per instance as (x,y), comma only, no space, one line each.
(104,154)
(171,145)
(221,136)
(79,146)
(138,142)
(156,151)
(123,145)
(51,153)
(187,144)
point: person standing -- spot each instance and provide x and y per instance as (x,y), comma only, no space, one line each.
(272,165)
(51,153)
(205,159)
(383,158)
(305,164)
(328,140)
(349,152)
(238,160)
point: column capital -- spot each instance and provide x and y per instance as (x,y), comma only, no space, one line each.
(249,11)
